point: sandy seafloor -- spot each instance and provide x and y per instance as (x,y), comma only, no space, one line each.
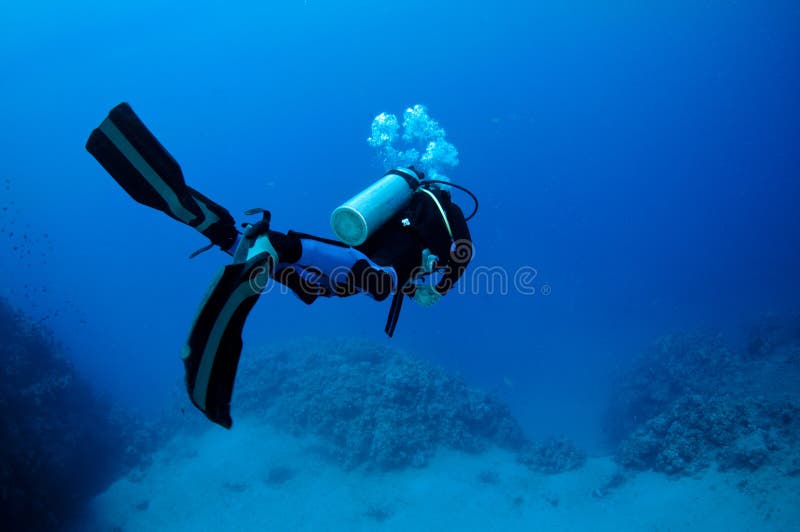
(220,480)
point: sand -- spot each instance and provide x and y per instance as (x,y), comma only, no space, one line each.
(256,478)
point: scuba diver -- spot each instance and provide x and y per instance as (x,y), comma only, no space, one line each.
(401,237)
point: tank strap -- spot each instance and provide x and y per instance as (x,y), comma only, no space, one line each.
(441,210)
(306,236)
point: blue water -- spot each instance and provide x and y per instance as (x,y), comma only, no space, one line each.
(642,158)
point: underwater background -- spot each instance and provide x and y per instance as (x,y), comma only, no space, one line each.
(641,158)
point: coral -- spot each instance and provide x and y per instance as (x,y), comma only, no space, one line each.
(772,332)
(691,402)
(750,451)
(376,407)
(676,365)
(697,430)
(59,443)
(551,456)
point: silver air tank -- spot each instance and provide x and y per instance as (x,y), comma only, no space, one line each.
(360,216)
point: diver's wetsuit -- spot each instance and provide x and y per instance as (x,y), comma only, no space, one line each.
(387,261)
(400,242)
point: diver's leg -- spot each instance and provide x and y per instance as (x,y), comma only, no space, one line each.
(346,268)
(312,267)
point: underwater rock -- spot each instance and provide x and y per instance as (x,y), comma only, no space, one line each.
(617,479)
(551,456)
(59,443)
(376,407)
(488,477)
(379,512)
(279,475)
(236,487)
(552,499)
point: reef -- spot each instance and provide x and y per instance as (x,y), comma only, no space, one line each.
(691,402)
(554,455)
(774,334)
(674,366)
(376,407)
(697,431)
(59,442)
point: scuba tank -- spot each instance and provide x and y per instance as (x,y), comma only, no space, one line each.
(363,214)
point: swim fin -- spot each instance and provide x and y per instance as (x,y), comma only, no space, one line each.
(212,351)
(133,156)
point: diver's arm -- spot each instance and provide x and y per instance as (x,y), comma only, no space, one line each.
(460,254)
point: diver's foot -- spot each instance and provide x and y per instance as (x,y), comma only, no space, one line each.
(282,247)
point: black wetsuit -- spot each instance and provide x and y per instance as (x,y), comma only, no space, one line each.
(420,225)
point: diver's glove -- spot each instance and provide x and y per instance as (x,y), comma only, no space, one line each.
(429,261)
(427,296)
